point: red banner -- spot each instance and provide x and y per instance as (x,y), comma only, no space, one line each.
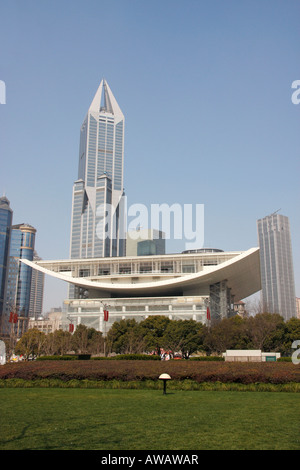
(208,313)
(71,328)
(13,317)
(105,315)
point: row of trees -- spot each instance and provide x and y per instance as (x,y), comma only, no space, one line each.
(265,331)
(35,343)
(268,332)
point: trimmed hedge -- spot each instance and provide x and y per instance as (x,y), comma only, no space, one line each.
(66,357)
(129,357)
(120,357)
(135,370)
(207,358)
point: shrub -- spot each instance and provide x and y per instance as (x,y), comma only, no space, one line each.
(82,357)
(65,357)
(207,358)
(129,357)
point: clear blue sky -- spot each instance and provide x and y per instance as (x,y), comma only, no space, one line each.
(205,87)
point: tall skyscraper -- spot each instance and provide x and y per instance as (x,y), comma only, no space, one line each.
(6,215)
(97,225)
(36,291)
(17,296)
(276,263)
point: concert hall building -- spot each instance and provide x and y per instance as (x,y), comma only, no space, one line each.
(181,286)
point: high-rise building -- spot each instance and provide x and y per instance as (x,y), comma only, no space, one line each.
(36,291)
(276,263)
(145,242)
(97,226)
(6,215)
(17,297)
(298,307)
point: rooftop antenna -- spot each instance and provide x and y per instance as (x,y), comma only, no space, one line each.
(275,212)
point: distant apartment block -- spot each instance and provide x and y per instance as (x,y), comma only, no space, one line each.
(36,291)
(298,307)
(51,322)
(276,263)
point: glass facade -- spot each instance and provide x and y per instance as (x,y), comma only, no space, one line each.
(36,291)
(276,262)
(100,180)
(6,215)
(18,287)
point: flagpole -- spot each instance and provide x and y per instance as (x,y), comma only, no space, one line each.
(13,319)
(105,319)
(208,316)
(104,335)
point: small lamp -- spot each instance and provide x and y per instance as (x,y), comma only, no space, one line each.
(165,378)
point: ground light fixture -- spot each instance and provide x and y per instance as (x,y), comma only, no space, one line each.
(165,378)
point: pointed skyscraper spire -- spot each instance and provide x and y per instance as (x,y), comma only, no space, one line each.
(105,102)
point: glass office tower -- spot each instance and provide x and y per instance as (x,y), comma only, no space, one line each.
(36,291)
(97,225)
(276,263)
(6,215)
(17,298)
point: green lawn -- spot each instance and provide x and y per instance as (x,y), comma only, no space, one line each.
(90,419)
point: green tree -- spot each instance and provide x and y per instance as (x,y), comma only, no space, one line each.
(229,333)
(59,342)
(126,337)
(185,336)
(95,341)
(153,329)
(277,339)
(292,334)
(80,339)
(31,344)
(87,340)
(262,327)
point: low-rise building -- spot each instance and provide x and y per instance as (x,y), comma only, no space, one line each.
(52,322)
(250,355)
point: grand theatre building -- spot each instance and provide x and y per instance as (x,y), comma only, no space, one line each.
(181,286)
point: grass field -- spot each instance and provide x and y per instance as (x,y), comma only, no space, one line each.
(90,419)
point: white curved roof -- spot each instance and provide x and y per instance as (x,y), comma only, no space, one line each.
(242,273)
